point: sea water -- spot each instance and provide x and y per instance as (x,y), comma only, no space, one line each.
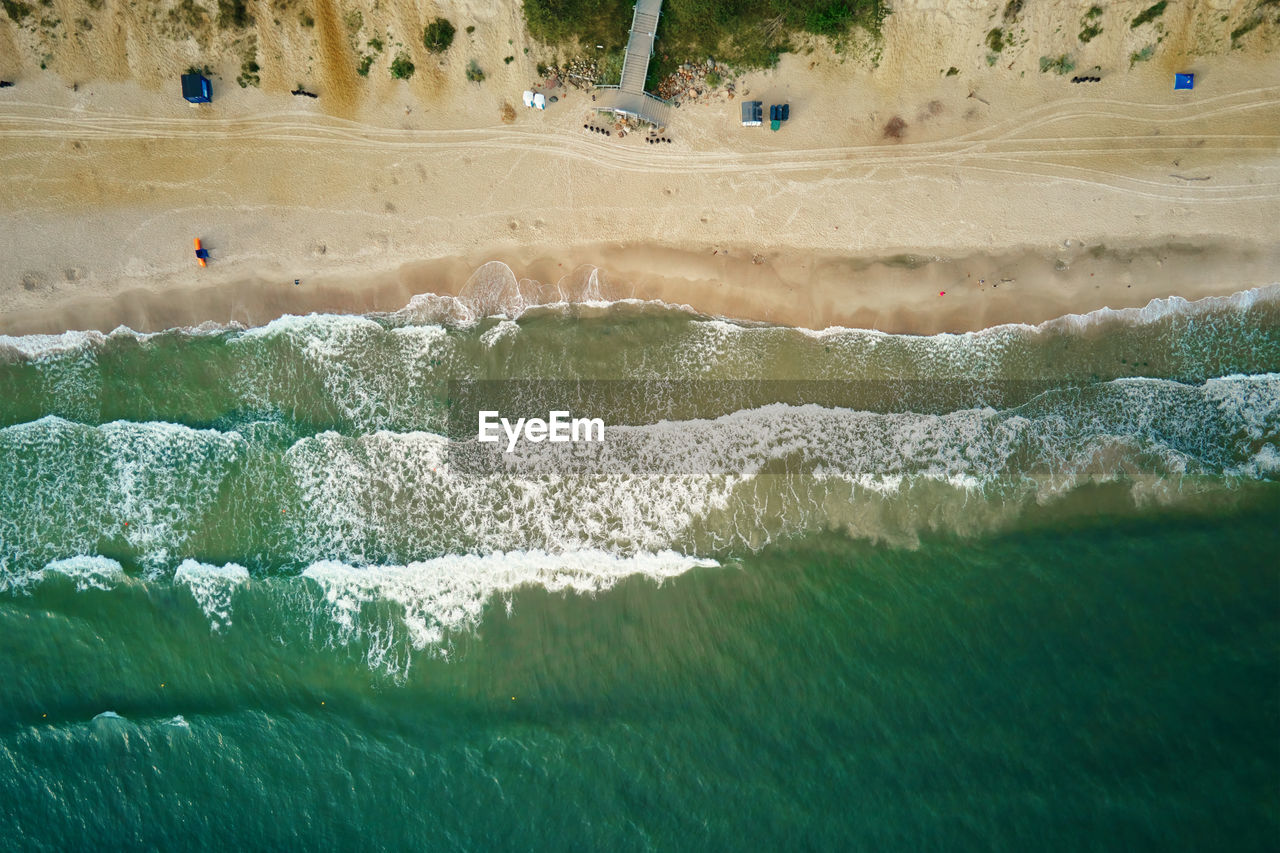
(832,590)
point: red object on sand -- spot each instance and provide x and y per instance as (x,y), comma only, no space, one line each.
(201,254)
(942,293)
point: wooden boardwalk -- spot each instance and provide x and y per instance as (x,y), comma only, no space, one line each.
(629,96)
(644,28)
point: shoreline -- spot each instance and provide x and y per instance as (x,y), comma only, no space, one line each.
(903,293)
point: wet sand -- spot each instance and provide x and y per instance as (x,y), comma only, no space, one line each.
(914,294)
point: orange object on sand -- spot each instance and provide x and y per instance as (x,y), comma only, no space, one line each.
(201,254)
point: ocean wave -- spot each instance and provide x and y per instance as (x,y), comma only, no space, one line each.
(513,300)
(705,486)
(67,487)
(86,572)
(213,587)
(445,595)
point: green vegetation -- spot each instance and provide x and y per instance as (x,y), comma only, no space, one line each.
(1244,29)
(952,71)
(1012,9)
(714,79)
(438,35)
(16,10)
(474,72)
(248,73)
(1061,64)
(832,19)
(1142,55)
(402,67)
(543,70)
(1149,14)
(995,40)
(1090,26)
(747,33)
(376,44)
(366,62)
(354,21)
(307,20)
(187,13)
(471,29)
(234,14)
(508,59)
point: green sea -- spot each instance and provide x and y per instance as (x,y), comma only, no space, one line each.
(840,590)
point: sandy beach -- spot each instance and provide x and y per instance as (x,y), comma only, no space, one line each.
(1011,195)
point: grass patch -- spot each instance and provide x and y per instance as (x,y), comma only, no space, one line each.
(1012,9)
(1245,28)
(402,67)
(508,59)
(745,33)
(1094,13)
(1149,14)
(714,79)
(376,44)
(248,73)
(366,62)
(1058,64)
(234,14)
(306,20)
(438,35)
(471,29)
(187,14)
(354,21)
(474,73)
(952,71)
(16,10)
(995,40)
(1142,55)
(1090,32)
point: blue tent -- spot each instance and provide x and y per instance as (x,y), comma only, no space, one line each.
(1184,81)
(196,89)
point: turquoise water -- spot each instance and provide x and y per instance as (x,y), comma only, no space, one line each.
(820,590)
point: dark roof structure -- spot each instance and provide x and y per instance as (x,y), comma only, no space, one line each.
(196,88)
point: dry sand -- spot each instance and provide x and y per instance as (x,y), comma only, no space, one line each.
(1019,195)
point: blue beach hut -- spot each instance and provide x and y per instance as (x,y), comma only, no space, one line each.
(196,88)
(1184,81)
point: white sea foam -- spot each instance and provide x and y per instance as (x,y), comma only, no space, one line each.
(64,484)
(494,291)
(743,479)
(448,594)
(212,587)
(87,572)
(1154,311)
(369,371)
(36,347)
